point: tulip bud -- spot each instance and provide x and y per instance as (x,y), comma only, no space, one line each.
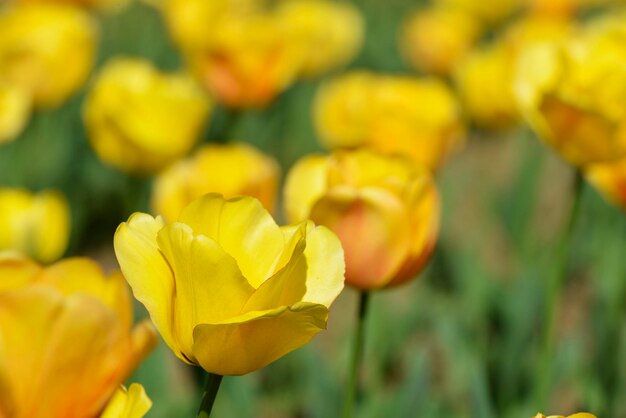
(47,50)
(35,224)
(67,339)
(15,109)
(231,170)
(329,32)
(437,38)
(419,118)
(141,120)
(385,211)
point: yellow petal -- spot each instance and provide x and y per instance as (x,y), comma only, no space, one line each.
(243,228)
(16,270)
(147,272)
(131,403)
(307,181)
(209,286)
(372,226)
(253,340)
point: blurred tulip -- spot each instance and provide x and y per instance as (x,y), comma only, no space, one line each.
(419,118)
(610,180)
(67,341)
(101,5)
(492,12)
(437,38)
(47,50)
(15,107)
(226,287)
(572,95)
(131,403)
(231,170)
(579,415)
(329,32)
(385,211)
(35,224)
(141,120)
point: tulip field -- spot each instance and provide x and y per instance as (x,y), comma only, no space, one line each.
(312,208)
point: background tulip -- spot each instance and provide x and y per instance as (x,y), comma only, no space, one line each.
(15,109)
(610,180)
(66,339)
(103,5)
(226,287)
(578,415)
(139,119)
(419,118)
(231,170)
(385,211)
(572,96)
(131,403)
(47,50)
(35,224)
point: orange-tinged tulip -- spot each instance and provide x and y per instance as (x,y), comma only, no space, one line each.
(35,224)
(141,120)
(15,107)
(416,117)
(385,211)
(610,180)
(226,287)
(572,95)
(131,403)
(65,339)
(231,170)
(435,39)
(47,50)
(578,415)
(330,33)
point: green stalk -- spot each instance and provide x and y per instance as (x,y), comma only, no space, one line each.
(357,355)
(556,282)
(211,387)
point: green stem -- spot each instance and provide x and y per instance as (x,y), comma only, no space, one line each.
(357,355)
(557,280)
(211,387)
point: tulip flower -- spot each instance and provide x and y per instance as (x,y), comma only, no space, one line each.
(578,415)
(35,224)
(47,50)
(435,39)
(131,403)
(141,120)
(610,180)
(67,341)
(572,96)
(385,211)
(15,106)
(329,32)
(226,287)
(419,118)
(231,170)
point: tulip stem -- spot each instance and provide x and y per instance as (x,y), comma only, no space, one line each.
(557,280)
(211,387)
(357,355)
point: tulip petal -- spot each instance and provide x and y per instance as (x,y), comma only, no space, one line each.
(255,339)
(16,270)
(147,272)
(243,228)
(209,285)
(372,226)
(131,403)
(307,182)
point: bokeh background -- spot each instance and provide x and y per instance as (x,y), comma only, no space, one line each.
(462,341)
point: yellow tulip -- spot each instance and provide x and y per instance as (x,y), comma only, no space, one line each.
(15,107)
(231,170)
(226,287)
(385,211)
(488,11)
(47,50)
(572,95)
(610,180)
(131,403)
(578,415)
(419,118)
(66,339)
(329,32)
(435,39)
(35,224)
(141,120)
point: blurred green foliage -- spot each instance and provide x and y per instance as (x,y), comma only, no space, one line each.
(460,342)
